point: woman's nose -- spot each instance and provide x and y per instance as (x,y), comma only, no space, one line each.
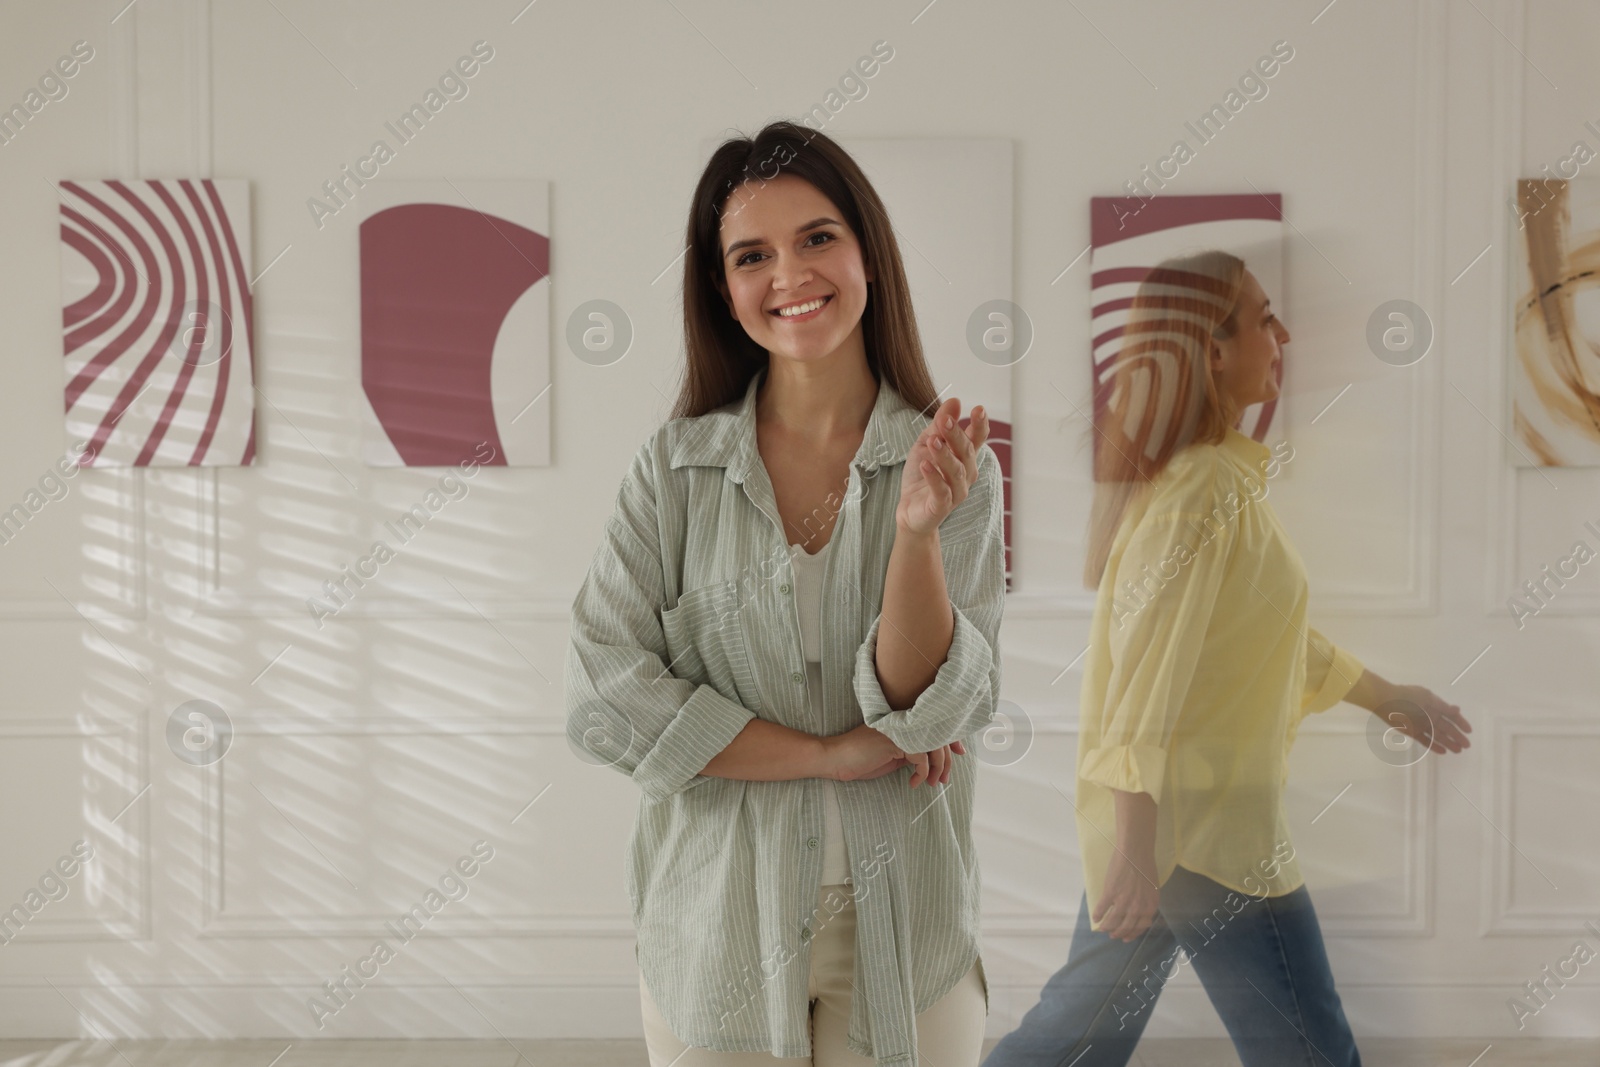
(789,272)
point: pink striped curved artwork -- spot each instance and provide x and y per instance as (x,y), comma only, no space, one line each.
(156,320)
(455,357)
(1129,235)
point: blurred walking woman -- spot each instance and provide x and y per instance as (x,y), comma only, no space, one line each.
(1200,669)
(789,627)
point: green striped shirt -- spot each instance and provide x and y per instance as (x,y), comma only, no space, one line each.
(685,629)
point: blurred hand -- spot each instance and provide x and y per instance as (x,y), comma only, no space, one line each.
(1130,898)
(1426,718)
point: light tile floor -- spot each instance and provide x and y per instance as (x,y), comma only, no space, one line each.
(1375,1052)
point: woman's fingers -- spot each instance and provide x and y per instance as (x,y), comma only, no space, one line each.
(918,762)
(1116,921)
(951,467)
(978,427)
(946,454)
(963,446)
(938,481)
(935,428)
(932,464)
(1126,926)
(1441,732)
(932,767)
(938,764)
(955,438)
(962,441)
(1438,723)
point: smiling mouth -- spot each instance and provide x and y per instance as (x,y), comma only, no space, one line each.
(811,307)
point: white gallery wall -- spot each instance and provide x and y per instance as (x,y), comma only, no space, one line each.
(424,724)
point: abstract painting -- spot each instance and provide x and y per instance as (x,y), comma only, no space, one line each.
(455,314)
(1555,322)
(1130,235)
(156,322)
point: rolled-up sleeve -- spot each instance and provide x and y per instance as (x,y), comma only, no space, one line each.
(961,698)
(1176,563)
(624,706)
(1331,672)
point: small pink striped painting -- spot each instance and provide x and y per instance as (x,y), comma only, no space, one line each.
(1129,236)
(156,320)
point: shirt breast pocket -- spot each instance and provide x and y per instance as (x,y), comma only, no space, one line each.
(706,642)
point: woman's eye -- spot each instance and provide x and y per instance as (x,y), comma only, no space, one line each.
(742,260)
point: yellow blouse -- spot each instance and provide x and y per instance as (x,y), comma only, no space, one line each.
(1200,668)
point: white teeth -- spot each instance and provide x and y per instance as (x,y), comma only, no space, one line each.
(801,309)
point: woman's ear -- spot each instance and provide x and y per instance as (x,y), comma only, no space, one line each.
(722,288)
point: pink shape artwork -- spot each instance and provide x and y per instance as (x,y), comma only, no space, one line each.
(438,282)
(156,322)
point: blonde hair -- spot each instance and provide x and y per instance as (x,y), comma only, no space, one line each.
(1161,394)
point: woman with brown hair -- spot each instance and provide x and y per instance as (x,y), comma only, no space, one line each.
(790,626)
(1201,667)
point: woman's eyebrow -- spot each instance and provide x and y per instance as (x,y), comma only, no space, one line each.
(748,241)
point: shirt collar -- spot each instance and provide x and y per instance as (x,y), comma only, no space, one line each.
(1247,450)
(726,437)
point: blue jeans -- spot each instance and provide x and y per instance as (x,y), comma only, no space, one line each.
(1262,964)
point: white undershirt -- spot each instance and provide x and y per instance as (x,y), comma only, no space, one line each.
(808,593)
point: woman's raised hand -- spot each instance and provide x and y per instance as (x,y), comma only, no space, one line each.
(941,467)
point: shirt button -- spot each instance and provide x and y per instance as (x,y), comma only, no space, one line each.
(784,588)
(811,842)
(796,676)
(805,933)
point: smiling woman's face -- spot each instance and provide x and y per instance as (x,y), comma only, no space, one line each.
(1246,364)
(785,245)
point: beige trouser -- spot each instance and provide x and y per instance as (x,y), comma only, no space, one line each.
(949,1033)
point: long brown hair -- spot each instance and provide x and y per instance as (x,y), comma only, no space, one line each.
(721,357)
(1162,395)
